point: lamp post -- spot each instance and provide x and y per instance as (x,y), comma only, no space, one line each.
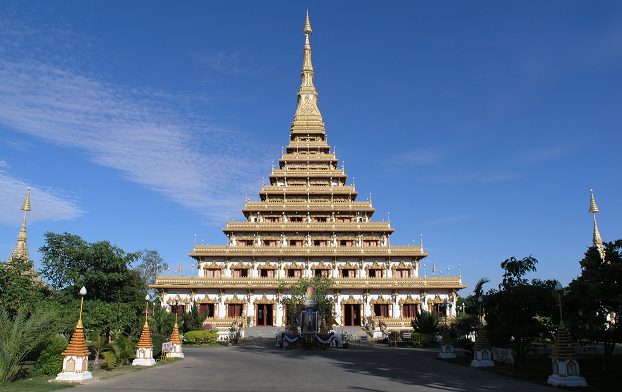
(76,355)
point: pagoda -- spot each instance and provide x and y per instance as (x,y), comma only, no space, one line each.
(308,222)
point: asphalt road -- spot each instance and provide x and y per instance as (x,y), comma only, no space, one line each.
(258,366)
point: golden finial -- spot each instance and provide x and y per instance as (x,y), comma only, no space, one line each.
(307,29)
(593,207)
(433,268)
(307,114)
(597,240)
(26,206)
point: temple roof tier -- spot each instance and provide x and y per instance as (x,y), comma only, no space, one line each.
(306,145)
(313,189)
(312,173)
(433,282)
(384,227)
(313,157)
(351,206)
(308,251)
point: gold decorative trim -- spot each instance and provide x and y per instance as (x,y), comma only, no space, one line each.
(381,300)
(351,300)
(409,300)
(265,300)
(236,300)
(348,265)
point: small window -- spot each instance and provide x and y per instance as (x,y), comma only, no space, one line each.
(321,272)
(240,273)
(266,273)
(234,310)
(381,310)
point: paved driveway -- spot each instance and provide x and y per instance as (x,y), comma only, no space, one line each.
(257,366)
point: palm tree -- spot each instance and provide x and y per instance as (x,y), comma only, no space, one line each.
(19,336)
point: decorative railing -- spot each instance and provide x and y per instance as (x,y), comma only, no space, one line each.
(314,226)
(449,282)
(297,206)
(308,188)
(309,251)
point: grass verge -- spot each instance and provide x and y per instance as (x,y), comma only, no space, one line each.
(42,384)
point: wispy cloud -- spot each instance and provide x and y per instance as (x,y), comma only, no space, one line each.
(482,177)
(154,138)
(226,63)
(418,158)
(47,203)
(543,154)
(450,219)
(195,164)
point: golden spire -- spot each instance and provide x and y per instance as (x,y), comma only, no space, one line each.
(145,336)
(21,249)
(77,344)
(597,240)
(175,335)
(308,116)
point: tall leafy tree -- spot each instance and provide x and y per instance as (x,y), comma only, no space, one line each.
(19,288)
(150,266)
(594,302)
(115,292)
(520,312)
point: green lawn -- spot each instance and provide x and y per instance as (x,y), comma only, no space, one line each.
(42,384)
(34,384)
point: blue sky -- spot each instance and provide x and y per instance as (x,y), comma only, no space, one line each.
(482,125)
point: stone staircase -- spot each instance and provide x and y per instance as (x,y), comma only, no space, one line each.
(260,332)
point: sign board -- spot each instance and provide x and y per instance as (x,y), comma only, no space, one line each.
(167,347)
(364,338)
(503,355)
(406,335)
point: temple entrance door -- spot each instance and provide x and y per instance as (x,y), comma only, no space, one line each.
(351,315)
(264,315)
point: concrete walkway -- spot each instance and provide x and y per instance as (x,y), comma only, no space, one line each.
(258,366)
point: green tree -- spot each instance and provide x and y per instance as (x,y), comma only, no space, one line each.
(19,288)
(192,320)
(115,292)
(468,320)
(162,321)
(593,306)
(151,264)
(520,312)
(322,289)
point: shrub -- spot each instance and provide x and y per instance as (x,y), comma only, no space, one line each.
(19,336)
(124,349)
(157,344)
(425,322)
(200,337)
(110,358)
(50,362)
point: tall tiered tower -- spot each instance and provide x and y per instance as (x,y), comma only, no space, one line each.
(309,223)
